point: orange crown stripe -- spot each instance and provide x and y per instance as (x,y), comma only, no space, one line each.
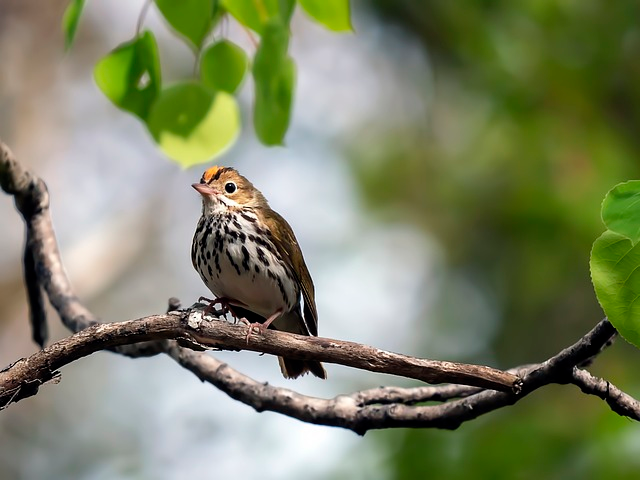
(210,173)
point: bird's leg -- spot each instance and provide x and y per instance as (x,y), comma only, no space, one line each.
(209,309)
(210,303)
(236,318)
(262,327)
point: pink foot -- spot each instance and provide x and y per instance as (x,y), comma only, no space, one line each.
(261,327)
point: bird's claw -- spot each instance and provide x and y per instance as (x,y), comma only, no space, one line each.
(250,326)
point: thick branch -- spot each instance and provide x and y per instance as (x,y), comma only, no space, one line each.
(21,379)
(351,354)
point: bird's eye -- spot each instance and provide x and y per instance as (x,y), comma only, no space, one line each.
(230,187)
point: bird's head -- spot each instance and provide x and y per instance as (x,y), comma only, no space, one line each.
(223,188)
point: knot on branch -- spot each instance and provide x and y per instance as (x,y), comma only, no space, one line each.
(34,200)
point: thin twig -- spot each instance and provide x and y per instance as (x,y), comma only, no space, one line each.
(35,297)
(621,403)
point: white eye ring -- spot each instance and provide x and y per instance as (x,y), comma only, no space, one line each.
(230,187)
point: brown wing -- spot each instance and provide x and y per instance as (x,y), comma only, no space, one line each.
(287,245)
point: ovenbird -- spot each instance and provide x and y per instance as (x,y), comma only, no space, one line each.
(249,258)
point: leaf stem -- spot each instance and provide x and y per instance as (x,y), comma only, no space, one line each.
(142,16)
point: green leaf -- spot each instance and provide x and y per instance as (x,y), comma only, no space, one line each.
(191,18)
(274,75)
(255,14)
(70,20)
(615,272)
(223,66)
(333,14)
(193,124)
(621,210)
(274,98)
(130,75)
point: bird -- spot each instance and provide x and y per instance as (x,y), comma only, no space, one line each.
(249,258)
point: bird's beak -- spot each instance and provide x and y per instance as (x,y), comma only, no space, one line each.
(204,189)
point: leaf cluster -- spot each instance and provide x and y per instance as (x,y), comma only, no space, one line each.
(197,119)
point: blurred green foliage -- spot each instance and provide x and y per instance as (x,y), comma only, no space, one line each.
(534,116)
(70,20)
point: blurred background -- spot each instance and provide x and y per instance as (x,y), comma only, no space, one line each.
(443,172)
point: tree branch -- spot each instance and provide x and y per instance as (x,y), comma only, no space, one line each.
(393,407)
(620,402)
(385,407)
(189,328)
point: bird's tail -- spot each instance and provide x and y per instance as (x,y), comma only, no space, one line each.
(292,368)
